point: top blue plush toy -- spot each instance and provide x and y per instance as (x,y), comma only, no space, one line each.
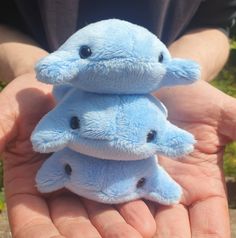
(117,57)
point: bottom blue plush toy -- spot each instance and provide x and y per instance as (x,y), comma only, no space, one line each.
(107,181)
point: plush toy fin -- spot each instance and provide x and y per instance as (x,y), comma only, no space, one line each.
(162,107)
(47,138)
(180,72)
(175,142)
(162,188)
(51,177)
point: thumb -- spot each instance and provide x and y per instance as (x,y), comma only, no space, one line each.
(7,122)
(227,124)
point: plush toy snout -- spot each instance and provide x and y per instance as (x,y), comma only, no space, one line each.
(59,67)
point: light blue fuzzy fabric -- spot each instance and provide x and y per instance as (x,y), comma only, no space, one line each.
(125,58)
(107,181)
(106,129)
(112,127)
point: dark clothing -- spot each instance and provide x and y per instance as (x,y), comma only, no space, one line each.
(51,22)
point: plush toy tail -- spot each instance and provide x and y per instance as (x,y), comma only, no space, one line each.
(163,189)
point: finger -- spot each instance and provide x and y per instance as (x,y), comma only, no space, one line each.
(70,217)
(152,207)
(19,114)
(108,221)
(210,218)
(172,221)
(7,127)
(29,217)
(194,185)
(138,215)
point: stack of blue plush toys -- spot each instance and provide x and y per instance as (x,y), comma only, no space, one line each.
(106,128)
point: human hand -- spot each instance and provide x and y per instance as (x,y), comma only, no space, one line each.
(23,102)
(211,116)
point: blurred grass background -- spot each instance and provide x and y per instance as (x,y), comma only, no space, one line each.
(1,171)
(226,82)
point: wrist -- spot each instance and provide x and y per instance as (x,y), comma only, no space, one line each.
(11,68)
(18,54)
(207,46)
(26,82)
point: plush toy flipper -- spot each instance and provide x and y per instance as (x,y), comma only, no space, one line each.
(47,137)
(180,72)
(163,188)
(161,106)
(175,142)
(107,181)
(50,177)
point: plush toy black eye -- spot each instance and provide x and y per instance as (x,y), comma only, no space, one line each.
(141,183)
(160,58)
(74,123)
(84,52)
(68,169)
(151,136)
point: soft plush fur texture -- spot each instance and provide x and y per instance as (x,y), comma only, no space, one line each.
(113,127)
(125,58)
(106,128)
(107,181)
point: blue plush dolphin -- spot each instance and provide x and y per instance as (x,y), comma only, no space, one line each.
(115,56)
(114,127)
(107,181)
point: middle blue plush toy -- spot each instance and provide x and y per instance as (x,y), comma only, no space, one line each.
(106,128)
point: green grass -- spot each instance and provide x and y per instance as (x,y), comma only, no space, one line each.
(2,85)
(2,200)
(230,160)
(226,82)
(1,175)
